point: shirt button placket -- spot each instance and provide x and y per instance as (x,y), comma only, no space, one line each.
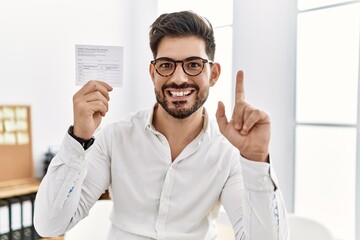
(164,203)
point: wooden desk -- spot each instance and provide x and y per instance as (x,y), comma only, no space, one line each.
(19,187)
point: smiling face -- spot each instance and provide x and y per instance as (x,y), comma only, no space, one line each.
(179,94)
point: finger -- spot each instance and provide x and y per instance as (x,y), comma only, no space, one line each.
(101,84)
(88,109)
(98,106)
(96,96)
(93,85)
(221,117)
(238,116)
(102,87)
(240,104)
(107,86)
(239,92)
(82,102)
(253,117)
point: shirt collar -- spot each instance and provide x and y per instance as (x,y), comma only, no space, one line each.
(149,119)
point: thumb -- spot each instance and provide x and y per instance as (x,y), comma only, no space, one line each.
(221,117)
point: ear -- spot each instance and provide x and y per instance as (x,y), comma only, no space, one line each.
(215,73)
(152,72)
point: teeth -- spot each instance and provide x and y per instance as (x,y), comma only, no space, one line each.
(180,94)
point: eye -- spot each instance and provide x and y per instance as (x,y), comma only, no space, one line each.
(194,64)
(166,65)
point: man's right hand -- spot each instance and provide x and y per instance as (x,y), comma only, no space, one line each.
(90,103)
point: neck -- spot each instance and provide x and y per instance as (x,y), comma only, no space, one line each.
(174,129)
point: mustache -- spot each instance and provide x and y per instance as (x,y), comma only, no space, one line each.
(181,86)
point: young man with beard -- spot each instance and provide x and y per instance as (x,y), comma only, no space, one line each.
(168,169)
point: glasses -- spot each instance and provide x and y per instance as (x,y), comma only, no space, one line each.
(192,66)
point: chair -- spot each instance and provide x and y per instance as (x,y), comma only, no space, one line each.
(306,228)
(95,226)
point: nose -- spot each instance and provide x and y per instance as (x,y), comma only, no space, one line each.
(179,76)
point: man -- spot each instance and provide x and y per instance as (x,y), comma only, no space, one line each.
(168,169)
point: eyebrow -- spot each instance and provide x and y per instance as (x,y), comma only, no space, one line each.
(186,59)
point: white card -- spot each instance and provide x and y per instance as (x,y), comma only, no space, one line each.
(103,63)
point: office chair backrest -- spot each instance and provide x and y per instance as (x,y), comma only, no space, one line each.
(95,226)
(302,228)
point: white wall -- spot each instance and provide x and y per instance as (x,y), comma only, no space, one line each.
(264,47)
(37,58)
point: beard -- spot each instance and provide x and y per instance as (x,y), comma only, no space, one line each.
(179,110)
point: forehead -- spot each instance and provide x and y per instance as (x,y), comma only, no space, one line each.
(181,47)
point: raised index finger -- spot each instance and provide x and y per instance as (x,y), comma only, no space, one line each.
(239,92)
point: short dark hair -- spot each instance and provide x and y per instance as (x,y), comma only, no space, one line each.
(182,24)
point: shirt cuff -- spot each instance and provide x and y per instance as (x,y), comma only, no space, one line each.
(72,153)
(258,176)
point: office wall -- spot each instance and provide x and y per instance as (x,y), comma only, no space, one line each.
(37,58)
(264,47)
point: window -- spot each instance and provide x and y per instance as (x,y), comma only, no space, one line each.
(327,114)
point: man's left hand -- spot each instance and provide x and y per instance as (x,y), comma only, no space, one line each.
(249,129)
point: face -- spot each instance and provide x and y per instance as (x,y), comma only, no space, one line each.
(179,94)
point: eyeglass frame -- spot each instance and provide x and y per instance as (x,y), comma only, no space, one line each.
(153,62)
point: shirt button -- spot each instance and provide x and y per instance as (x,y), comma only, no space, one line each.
(81,156)
(265,178)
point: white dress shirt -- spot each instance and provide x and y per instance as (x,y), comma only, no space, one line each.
(155,197)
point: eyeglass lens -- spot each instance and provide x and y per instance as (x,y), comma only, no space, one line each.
(192,67)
